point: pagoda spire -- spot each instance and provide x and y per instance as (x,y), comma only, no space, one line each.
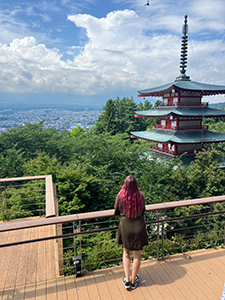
(184,51)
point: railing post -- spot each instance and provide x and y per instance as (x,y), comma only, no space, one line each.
(56,201)
(158,227)
(6,210)
(60,249)
(163,226)
(80,245)
(2,205)
(74,248)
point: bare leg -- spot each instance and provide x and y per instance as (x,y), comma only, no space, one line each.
(126,263)
(136,264)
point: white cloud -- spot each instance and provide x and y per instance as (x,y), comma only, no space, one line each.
(118,56)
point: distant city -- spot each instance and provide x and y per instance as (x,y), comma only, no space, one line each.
(60,119)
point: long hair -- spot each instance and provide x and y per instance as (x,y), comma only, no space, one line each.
(130,200)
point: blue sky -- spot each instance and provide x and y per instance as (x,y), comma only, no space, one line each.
(91,50)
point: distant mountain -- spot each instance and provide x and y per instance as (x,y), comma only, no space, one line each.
(37,101)
(217,105)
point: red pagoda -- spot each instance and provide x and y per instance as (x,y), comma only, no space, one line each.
(181,113)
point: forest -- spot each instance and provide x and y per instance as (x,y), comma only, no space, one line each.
(89,166)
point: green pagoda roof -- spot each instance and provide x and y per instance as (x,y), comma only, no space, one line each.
(180,137)
(182,111)
(184,85)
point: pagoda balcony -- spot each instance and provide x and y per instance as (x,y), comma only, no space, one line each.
(163,151)
(59,257)
(164,127)
(187,152)
(174,128)
(183,104)
(204,127)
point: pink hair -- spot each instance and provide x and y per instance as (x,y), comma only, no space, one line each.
(130,200)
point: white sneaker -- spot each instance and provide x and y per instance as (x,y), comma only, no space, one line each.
(134,285)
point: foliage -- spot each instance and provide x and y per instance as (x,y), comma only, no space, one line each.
(32,137)
(11,163)
(23,200)
(76,132)
(119,117)
(89,168)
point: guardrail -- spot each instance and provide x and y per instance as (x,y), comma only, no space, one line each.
(173,227)
(27,196)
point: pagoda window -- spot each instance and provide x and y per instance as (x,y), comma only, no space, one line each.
(160,145)
(190,147)
(187,124)
(165,101)
(171,147)
(174,124)
(190,100)
(189,94)
(175,100)
(163,122)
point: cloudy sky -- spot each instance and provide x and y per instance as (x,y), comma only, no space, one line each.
(93,50)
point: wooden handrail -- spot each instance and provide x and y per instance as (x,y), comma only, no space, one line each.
(103,214)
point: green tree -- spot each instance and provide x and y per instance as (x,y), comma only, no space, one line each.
(76,132)
(106,121)
(43,164)
(11,163)
(218,127)
(32,137)
(119,117)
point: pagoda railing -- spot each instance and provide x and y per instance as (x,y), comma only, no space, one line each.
(173,128)
(159,126)
(188,104)
(163,151)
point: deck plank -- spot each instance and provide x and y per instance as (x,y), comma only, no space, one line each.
(71,288)
(41,291)
(178,276)
(51,289)
(22,263)
(91,286)
(101,285)
(156,274)
(151,291)
(61,289)
(81,289)
(6,267)
(111,284)
(196,279)
(198,275)
(167,280)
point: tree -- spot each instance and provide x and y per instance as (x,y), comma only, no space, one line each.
(106,121)
(33,137)
(119,117)
(76,132)
(11,163)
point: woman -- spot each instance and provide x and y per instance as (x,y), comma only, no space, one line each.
(132,233)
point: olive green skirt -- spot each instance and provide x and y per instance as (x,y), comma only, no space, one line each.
(132,233)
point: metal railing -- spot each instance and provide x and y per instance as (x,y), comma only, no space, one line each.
(23,197)
(37,249)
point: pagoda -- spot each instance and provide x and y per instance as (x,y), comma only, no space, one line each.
(181,113)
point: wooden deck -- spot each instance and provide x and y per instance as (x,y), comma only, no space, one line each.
(197,275)
(28,263)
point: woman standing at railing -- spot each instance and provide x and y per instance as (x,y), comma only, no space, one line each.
(132,233)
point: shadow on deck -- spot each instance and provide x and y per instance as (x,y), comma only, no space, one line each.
(195,275)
